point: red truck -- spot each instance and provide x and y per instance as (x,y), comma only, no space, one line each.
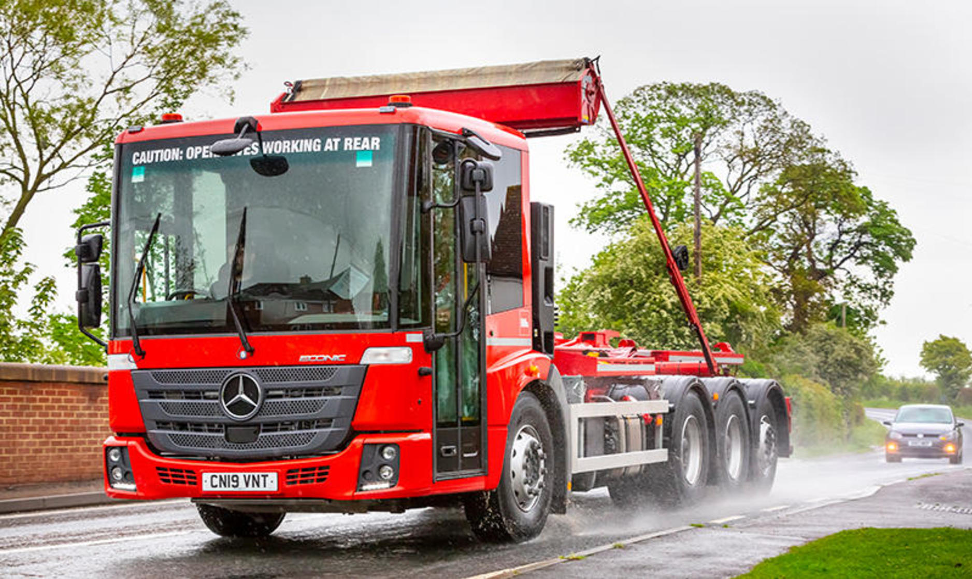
(347,305)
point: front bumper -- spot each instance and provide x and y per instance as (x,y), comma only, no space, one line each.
(334,477)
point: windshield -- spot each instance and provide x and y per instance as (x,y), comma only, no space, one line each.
(926,414)
(316,244)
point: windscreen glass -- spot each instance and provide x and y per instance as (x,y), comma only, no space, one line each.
(924,414)
(315,248)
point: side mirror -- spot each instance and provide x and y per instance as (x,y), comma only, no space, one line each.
(270,165)
(89,249)
(227,147)
(474,229)
(886,423)
(89,296)
(959,424)
(472,173)
(681,255)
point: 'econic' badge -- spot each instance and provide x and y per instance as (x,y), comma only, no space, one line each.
(241,397)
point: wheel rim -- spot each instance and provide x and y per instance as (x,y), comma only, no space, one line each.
(528,468)
(734,447)
(691,450)
(767,445)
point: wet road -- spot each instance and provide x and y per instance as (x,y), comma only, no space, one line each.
(168,540)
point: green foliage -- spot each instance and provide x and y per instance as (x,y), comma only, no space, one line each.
(951,362)
(75,73)
(817,417)
(830,355)
(902,389)
(627,289)
(877,553)
(828,240)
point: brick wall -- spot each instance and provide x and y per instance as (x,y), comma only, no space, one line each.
(53,420)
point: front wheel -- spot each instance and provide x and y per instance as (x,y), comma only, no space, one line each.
(957,459)
(227,523)
(517,509)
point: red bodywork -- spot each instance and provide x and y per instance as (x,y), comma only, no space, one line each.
(397,400)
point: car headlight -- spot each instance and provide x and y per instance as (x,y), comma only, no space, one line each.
(949,436)
(894,435)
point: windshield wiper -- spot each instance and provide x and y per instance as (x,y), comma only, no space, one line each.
(233,286)
(131,294)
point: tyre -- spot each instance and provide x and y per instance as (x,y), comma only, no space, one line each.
(517,509)
(683,478)
(765,450)
(957,459)
(732,442)
(227,523)
(892,458)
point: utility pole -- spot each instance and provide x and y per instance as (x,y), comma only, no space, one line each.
(698,207)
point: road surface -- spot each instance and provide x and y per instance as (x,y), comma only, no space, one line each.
(167,539)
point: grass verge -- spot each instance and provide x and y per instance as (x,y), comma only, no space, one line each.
(863,438)
(884,553)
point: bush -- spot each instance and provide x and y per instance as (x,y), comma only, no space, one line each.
(964,397)
(817,417)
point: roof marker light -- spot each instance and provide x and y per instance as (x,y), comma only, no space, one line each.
(400,100)
(171,118)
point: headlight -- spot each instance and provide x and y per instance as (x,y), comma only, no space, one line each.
(397,355)
(949,436)
(894,435)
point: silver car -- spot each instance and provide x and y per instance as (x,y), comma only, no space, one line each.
(924,431)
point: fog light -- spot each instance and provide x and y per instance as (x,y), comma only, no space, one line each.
(386,472)
(114,455)
(389,453)
(892,446)
(117,474)
(949,448)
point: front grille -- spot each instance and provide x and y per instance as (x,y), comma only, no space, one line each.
(176,476)
(300,374)
(306,410)
(308,475)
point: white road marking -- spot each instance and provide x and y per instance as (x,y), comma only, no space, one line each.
(69,510)
(90,543)
(773,509)
(726,519)
(514,571)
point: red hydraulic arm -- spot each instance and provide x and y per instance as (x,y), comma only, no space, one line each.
(673,272)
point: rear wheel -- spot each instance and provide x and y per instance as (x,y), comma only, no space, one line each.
(733,440)
(766,455)
(517,510)
(683,478)
(227,523)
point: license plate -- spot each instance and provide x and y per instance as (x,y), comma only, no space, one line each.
(239,481)
(919,443)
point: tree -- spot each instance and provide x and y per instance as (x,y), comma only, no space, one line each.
(829,240)
(825,353)
(951,362)
(627,289)
(76,72)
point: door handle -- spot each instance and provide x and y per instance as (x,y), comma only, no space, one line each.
(448,451)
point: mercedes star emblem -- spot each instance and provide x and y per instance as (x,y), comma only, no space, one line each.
(241,397)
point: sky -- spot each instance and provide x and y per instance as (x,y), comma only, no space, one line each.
(888,83)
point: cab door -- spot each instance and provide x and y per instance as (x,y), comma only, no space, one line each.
(459,365)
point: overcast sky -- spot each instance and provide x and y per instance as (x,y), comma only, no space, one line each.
(888,83)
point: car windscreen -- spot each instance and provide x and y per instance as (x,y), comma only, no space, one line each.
(924,414)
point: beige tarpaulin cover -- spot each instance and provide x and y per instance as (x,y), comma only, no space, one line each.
(543,72)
